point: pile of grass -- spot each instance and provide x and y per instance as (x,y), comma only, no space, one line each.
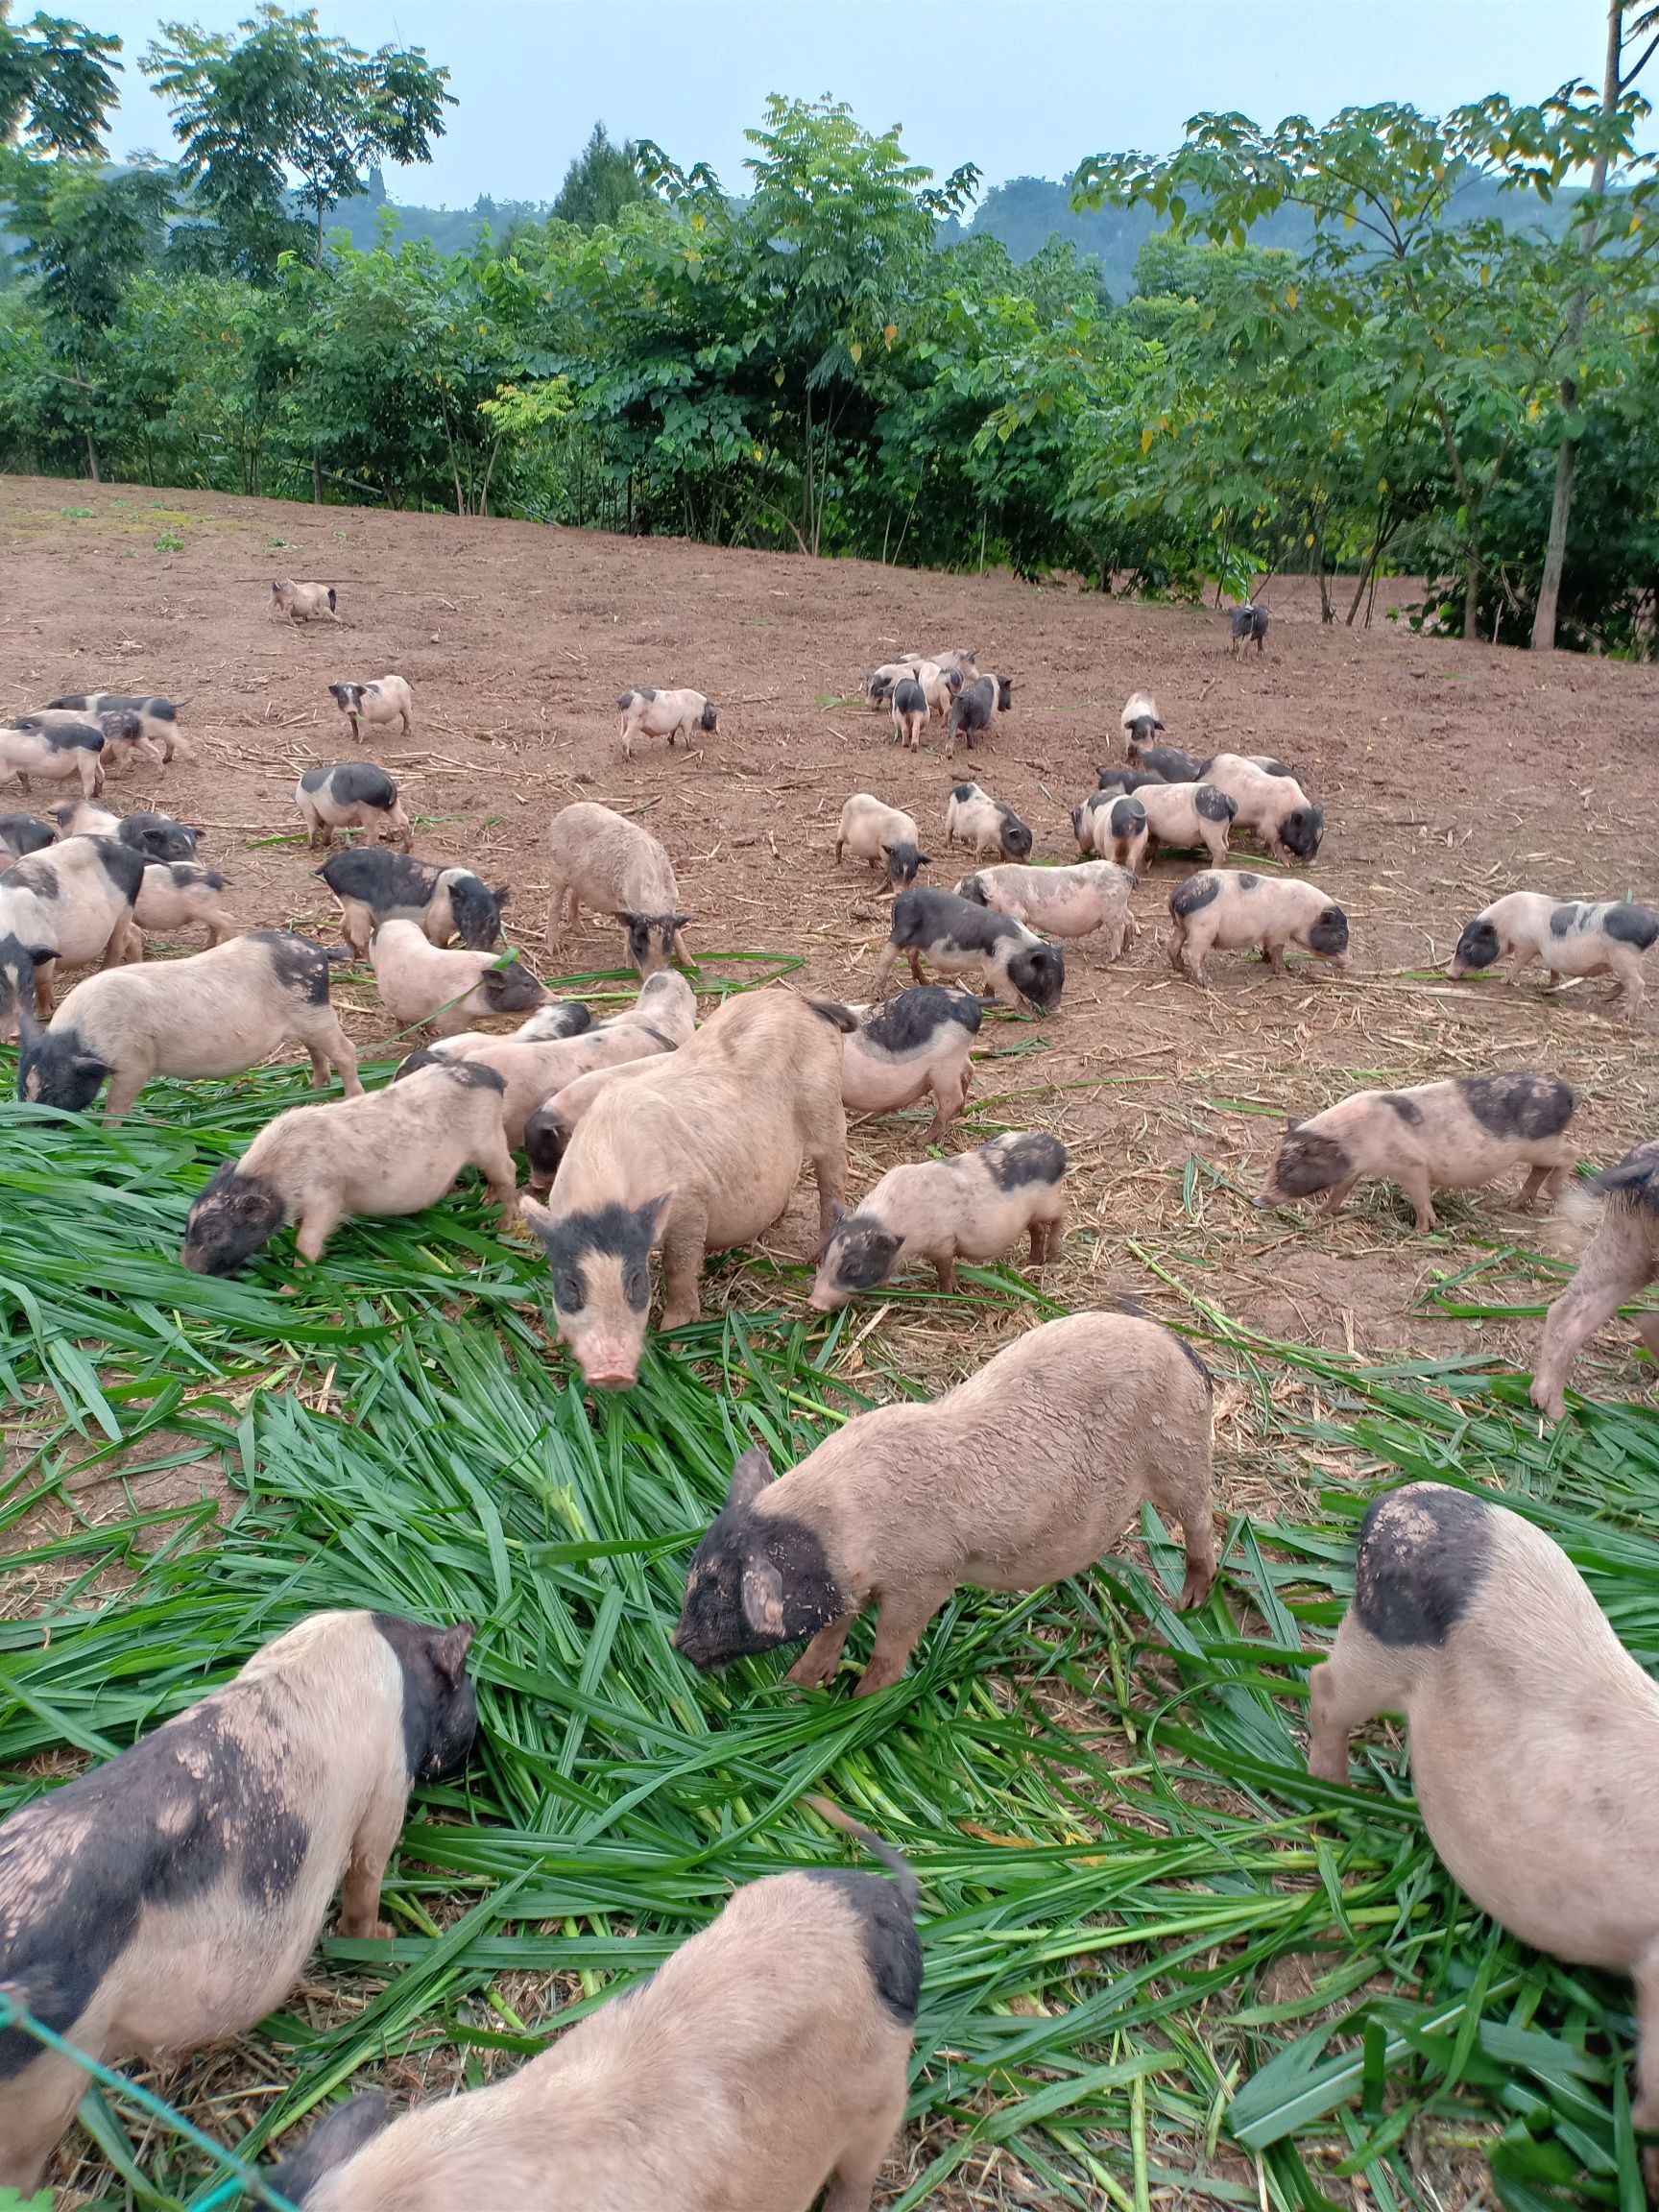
(1158,1956)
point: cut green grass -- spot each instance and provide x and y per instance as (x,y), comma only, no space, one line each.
(1158,1955)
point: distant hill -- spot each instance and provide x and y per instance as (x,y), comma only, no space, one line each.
(452,229)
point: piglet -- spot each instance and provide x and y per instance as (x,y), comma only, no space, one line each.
(1568,935)
(1621,1260)
(158,719)
(158,836)
(1112,825)
(1167,762)
(170,1897)
(387,701)
(972,1207)
(1249,622)
(383,1153)
(1450,1135)
(961,938)
(883,837)
(1231,908)
(602,860)
(989,825)
(180,894)
(917,1044)
(666,714)
(1140,722)
(372,886)
(21,833)
(975,707)
(1060,902)
(420,983)
(1269,801)
(303,602)
(1021,1476)
(65,906)
(1185,815)
(353,795)
(67,752)
(123,731)
(763,2067)
(1533,1734)
(908,702)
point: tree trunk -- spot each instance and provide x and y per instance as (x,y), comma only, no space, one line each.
(1567,458)
(92,456)
(1472,587)
(315,478)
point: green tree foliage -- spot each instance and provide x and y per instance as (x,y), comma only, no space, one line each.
(600,183)
(55,87)
(284,107)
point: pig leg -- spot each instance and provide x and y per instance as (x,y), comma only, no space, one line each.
(1336,1196)
(1180,1488)
(399,825)
(1003,989)
(329,1046)
(826,1151)
(897,1632)
(1273,953)
(319,1219)
(858,2167)
(1356,1682)
(36,2106)
(884,968)
(371,1847)
(44,972)
(685,1245)
(1618,1265)
(1626,967)
(1520,957)
(916,972)
(124,1087)
(1645,2106)
(495,1162)
(945,1267)
(815,1668)
(1414,1182)
(950,1097)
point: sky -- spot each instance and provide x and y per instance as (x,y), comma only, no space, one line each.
(1022,87)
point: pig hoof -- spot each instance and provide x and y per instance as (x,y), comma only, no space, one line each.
(1195,1589)
(677,1317)
(814,1678)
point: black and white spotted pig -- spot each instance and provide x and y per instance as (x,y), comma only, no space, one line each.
(21,833)
(1167,762)
(1249,622)
(1620,1261)
(917,1044)
(353,795)
(1185,815)
(1269,801)
(1060,902)
(1125,780)
(158,836)
(975,707)
(69,751)
(882,837)
(1569,936)
(158,719)
(170,1898)
(65,906)
(1140,722)
(962,939)
(178,894)
(908,702)
(666,714)
(1533,1734)
(1435,1137)
(989,825)
(1230,908)
(972,1207)
(123,731)
(1112,825)
(372,886)
(303,602)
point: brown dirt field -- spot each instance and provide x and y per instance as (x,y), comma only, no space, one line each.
(1448,772)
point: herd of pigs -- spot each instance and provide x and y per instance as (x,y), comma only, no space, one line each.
(170,1897)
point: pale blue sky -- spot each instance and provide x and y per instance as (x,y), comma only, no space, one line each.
(1020,86)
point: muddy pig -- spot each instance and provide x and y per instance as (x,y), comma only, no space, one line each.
(179,894)
(603,861)
(1021,1476)
(1569,936)
(55,755)
(381,1154)
(1621,1260)
(666,714)
(765,2058)
(1249,622)
(1230,908)
(1140,722)
(65,906)
(1061,901)
(353,795)
(975,707)
(21,833)
(1533,1734)
(371,886)
(696,1153)
(158,719)
(1435,1137)
(987,824)
(303,602)
(972,1207)
(387,699)
(918,1043)
(961,938)
(1112,825)
(1184,815)
(170,1897)
(214,1014)
(420,983)
(882,837)
(909,704)
(1271,802)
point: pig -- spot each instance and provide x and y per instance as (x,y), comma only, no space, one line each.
(177,895)
(963,659)
(665,1016)
(1249,621)
(381,1153)
(420,983)
(602,860)
(158,836)
(939,685)
(1127,779)
(85,818)
(1169,763)
(1061,901)
(972,1207)
(559,1018)
(878,683)
(67,907)
(961,938)
(21,833)
(1231,908)
(764,2058)
(371,886)
(1533,1734)
(881,835)
(910,704)
(67,749)
(123,732)
(1621,1260)
(1022,1474)
(695,1153)
(1111,825)
(215,1014)
(1271,802)
(917,1044)
(303,602)
(387,699)
(666,714)
(157,717)
(1140,722)
(169,1898)
(1569,936)
(1184,815)
(351,795)
(1450,1135)
(548,1130)
(989,825)
(973,708)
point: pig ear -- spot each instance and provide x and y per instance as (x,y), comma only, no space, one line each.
(763,1596)
(1290,1122)
(535,1215)
(621,914)
(336,2137)
(449,1652)
(651,1212)
(749,1477)
(681,920)
(923,859)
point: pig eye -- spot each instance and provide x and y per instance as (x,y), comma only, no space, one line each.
(637,1287)
(570,1291)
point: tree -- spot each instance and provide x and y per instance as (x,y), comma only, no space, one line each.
(600,183)
(285,101)
(55,89)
